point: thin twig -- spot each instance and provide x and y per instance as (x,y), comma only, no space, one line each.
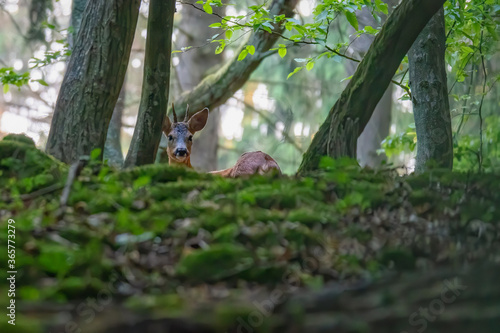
(405,88)
(464,105)
(481,104)
(73,173)
(42,191)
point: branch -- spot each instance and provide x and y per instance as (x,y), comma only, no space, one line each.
(215,89)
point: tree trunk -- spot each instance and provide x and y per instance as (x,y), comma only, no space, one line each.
(37,15)
(346,120)
(113,146)
(155,87)
(429,88)
(215,89)
(77,9)
(192,68)
(93,80)
(377,128)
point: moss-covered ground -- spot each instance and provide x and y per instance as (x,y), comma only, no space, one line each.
(169,241)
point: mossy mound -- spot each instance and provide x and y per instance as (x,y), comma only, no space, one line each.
(19,138)
(24,168)
(168,239)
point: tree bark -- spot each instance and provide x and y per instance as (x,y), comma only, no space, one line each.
(348,117)
(113,146)
(429,88)
(93,80)
(192,68)
(37,15)
(155,87)
(77,9)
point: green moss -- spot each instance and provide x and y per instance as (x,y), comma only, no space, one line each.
(20,138)
(402,259)
(176,233)
(215,263)
(27,168)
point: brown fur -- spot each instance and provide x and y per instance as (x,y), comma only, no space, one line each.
(251,163)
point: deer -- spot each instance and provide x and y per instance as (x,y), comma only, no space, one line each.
(180,141)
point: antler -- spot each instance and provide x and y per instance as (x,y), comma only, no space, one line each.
(173,111)
(187,113)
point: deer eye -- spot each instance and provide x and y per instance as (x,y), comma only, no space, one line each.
(190,138)
(170,138)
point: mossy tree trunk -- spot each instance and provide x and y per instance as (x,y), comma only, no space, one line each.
(155,87)
(93,80)
(429,89)
(346,120)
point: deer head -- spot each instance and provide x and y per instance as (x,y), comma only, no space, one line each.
(180,135)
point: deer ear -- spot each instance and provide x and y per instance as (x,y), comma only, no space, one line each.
(167,125)
(198,120)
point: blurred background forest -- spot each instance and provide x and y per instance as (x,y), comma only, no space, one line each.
(271,112)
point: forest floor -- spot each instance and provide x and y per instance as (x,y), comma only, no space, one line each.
(158,248)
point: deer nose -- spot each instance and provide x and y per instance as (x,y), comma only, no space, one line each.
(181,152)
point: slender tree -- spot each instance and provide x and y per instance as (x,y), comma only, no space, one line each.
(346,120)
(93,79)
(155,87)
(431,107)
(192,68)
(113,146)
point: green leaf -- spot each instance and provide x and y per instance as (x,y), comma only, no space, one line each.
(346,78)
(370,30)
(282,52)
(229,34)
(142,181)
(94,155)
(467,49)
(267,29)
(353,20)
(42,82)
(295,71)
(215,25)
(251,49)
(242,55)
(5,88)
(207,8)
(310,65)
